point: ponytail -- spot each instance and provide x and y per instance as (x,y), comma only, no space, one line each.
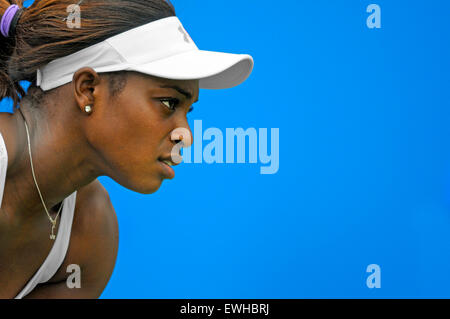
(9,83)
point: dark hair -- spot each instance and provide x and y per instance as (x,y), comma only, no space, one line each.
(42,35)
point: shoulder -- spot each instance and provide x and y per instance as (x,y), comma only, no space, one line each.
(94,240)
(95,222)
(95,235)
(94,213)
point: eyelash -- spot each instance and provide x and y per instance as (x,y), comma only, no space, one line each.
(172,108)
(176,101)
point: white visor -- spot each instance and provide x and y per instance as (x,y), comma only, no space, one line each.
(161,48)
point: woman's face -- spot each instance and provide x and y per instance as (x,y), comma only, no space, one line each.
(133,132)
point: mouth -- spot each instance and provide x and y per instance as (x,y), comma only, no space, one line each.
(167,164)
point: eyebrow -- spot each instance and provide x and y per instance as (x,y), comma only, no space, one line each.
(188,95)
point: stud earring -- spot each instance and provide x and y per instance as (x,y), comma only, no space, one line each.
(88,109)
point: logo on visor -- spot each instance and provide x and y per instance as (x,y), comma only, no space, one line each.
(184,33)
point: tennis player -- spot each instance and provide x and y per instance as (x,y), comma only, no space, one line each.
(111,84)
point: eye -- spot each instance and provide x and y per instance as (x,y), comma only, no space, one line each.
(170,103)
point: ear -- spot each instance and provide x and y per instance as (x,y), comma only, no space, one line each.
(85,85)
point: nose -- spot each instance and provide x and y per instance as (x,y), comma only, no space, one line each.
(182,135)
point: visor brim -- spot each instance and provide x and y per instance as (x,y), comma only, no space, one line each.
(214,70)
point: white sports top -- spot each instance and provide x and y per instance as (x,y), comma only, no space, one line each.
(58,252)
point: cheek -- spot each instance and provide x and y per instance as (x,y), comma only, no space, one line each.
(130,139)
(135,164)
(139,138)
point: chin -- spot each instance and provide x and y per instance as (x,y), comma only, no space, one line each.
(143,186)
(149,188)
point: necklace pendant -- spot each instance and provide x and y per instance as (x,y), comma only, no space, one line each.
(52,235)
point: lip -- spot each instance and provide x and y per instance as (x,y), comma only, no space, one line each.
(168,171)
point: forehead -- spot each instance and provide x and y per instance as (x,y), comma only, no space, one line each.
(191,86)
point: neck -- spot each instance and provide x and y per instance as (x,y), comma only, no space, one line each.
(60,162)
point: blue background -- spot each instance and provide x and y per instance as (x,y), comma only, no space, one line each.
(364,172)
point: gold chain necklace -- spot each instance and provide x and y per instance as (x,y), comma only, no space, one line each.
(52,221)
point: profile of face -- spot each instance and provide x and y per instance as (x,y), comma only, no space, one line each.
(134,132)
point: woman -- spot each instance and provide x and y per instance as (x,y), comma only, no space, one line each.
(108,97)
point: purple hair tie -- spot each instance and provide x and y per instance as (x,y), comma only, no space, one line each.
(7,18)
